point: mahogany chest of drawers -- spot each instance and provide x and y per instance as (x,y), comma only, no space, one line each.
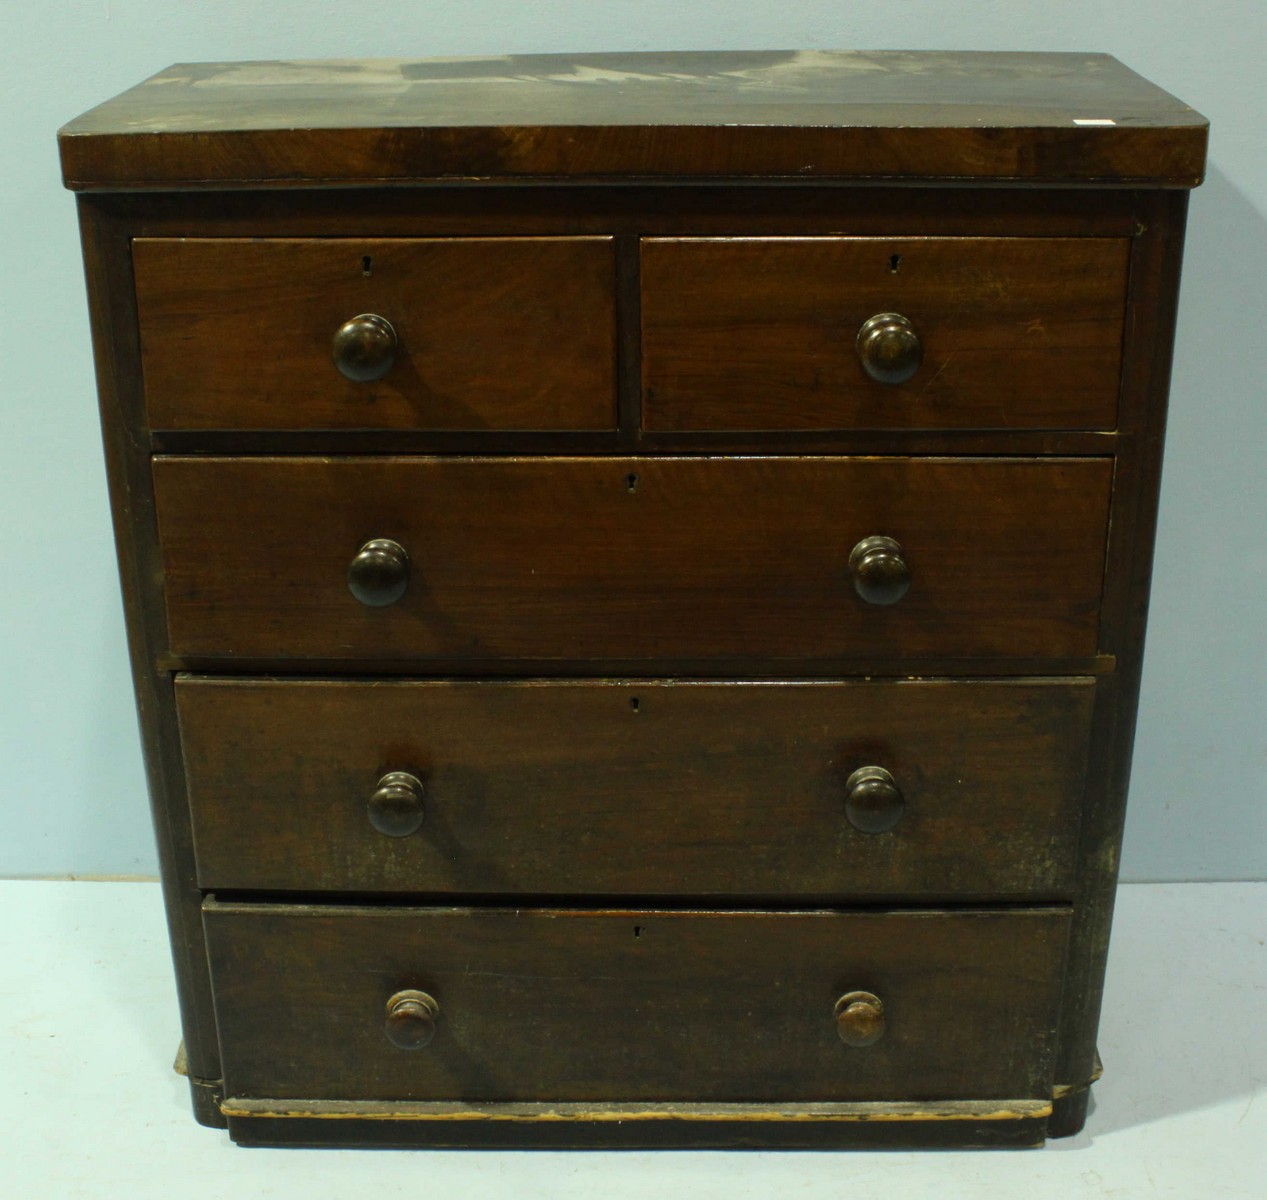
(636,571)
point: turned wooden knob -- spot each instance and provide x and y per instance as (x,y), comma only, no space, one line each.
(411,1019)
(860,1018)
(364,348)
(880,571)
(395,808)
(379,574)
(889,348)
(873,801)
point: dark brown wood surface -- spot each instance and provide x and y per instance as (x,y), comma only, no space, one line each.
(632,558)
(540,1004)
(494,333)
(759,333)
(550,209)
(553,788)
(789,114)
(1024,581)
(1155,272)
(112,311)
(629,212)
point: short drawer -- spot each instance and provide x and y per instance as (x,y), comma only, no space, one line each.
(632,559)
(524,1004)
(998,333)
(473,333)
(928,789)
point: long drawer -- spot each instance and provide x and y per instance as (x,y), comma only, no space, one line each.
(919,789)
(879,333)
(634,558)
(501,1004)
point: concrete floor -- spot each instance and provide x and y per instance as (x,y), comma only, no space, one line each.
(89,1105)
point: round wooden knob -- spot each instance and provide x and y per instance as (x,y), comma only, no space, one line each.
(411,1019)
(364,348)
(379,574)
(880,571)
(873,801)
(889,348)
(395,808)
(860,1018)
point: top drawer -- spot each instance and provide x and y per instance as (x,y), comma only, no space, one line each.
(482,333)
(994,333)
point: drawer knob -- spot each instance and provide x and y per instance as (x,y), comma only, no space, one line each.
(873,801)
(880,571)
(379,574)
(860,1018)
(889,348)
(364,348)
(395,808)
(411,1019)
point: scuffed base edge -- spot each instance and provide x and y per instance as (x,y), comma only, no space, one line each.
(1069,1105)
(207,1095)
(1069,1113)
(670,1126)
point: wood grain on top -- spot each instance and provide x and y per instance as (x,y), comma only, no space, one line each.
(1079,118)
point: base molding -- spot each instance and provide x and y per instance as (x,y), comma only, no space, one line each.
(1069,1104)
(966,1123)
(451,1124)
(1069,1113)
(206,1095)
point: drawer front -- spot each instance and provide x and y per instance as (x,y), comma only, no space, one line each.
(490,333)
(622,559)
(638,1005)
(658,788)
(762,333)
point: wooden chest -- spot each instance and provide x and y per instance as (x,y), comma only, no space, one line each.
(636,570)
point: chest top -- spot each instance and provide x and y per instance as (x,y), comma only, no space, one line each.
(817,114)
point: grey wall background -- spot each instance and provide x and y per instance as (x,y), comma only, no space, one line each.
(71,786)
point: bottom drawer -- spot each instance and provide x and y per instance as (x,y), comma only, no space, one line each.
(637,1005)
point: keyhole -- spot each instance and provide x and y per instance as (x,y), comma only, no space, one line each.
(634,703)
(631,482)
(895,261)
(367,265)
(637,931)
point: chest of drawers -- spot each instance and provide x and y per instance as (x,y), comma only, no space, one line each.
(636,571)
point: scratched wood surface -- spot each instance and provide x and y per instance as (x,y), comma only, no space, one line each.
(572,1004)
(1025,117)
(645,787)
(686,1127)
